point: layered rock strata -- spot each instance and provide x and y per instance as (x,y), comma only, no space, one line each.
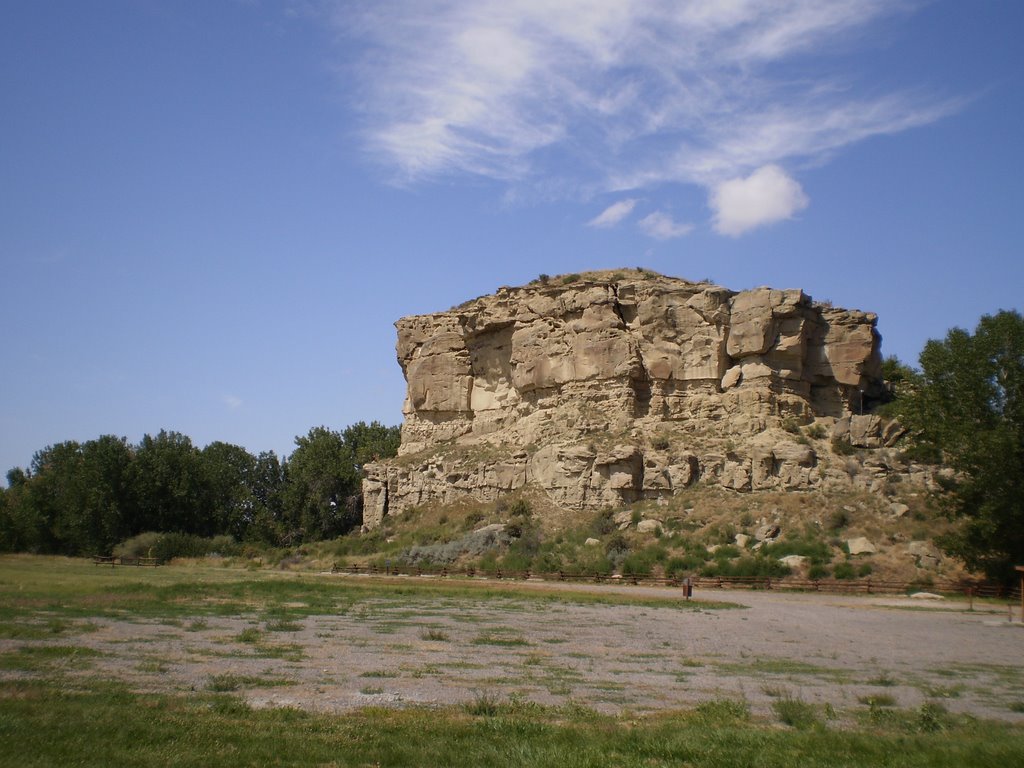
(611,387)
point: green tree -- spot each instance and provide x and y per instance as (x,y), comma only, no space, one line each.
(245,492)
(170,487)
(228,472)
(967,406)
(322,475)
(9,533)
(267,486)
(16,477)
(899,377)
(75,499)
(371,442)
(22,528)
(106,494)
(55,493)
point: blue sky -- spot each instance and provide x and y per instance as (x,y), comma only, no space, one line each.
(211,213)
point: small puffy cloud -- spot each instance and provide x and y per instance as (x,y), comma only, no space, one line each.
(661,226)
(764,197)
(613,214)
(232,402)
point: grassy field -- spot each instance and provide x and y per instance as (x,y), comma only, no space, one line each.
(48,723)
(68,588)
(56,709)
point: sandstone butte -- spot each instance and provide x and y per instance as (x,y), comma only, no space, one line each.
(612,387)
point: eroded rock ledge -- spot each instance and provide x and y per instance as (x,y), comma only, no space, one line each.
(616,386)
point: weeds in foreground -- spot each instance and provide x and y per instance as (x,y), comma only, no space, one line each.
(721,712)
(484,704)
(487,704)
(932,717)
(797,713)
(878,700)
(94,717)
(884,680)
(250,635)
(434,635)
(283,625)
(284,651)
(500,639)
(227,683)
(46,658)
(943,691)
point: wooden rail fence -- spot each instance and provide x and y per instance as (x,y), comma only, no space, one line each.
(137,561)
(835,586)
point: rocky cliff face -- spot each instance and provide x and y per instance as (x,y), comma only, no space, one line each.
(611,387)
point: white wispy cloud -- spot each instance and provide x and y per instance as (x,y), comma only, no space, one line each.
(589,96)
(231,401)
(662,226)
(613,214)
(764,197)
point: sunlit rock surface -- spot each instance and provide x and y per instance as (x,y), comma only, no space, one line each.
(617,386)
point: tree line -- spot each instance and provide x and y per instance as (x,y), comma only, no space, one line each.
(85,498)
(965,409)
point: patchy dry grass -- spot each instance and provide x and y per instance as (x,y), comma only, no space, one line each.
(100,724)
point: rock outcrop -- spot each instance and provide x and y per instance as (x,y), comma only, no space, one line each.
(611,387)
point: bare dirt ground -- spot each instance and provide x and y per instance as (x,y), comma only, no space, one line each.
(428,650)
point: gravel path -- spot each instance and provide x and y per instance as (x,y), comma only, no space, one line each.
(424,649)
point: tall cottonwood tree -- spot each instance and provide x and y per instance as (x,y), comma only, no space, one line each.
(321,475)
(265,522)
(967,407)
(169,485)
(228,472)
(324,475)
